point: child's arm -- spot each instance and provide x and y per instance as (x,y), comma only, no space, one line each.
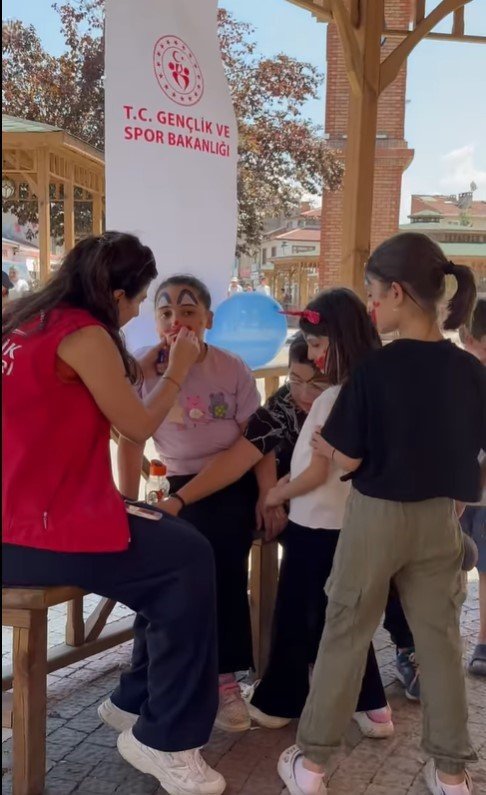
(224,469)
(308,480)
(130,459)
(273,520)
(325,450)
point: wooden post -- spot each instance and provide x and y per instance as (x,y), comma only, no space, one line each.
(29,701)
(44,209)
(360,148)
(97,214)
(75,622)
(69,227)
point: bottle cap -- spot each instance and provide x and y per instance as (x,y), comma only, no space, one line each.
(157,468)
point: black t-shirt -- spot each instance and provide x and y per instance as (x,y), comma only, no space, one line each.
(276,426)
(415,412)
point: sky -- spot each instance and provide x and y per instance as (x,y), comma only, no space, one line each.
(446,97)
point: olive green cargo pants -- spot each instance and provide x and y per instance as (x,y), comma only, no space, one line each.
(420,545)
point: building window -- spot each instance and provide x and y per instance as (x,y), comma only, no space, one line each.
(264,256)
(274,251)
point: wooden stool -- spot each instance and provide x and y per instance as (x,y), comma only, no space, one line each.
(25,609)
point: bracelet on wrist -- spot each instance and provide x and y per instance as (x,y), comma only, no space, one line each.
(172,381)
(180,499)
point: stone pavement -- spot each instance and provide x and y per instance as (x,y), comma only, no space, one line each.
(82,756)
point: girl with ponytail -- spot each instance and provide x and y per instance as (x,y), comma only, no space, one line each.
(407,427)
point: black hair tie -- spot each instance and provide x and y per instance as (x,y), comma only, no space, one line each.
(449,268)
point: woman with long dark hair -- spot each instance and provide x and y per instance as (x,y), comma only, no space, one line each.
(67,378)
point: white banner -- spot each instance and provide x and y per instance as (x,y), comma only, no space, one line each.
(171,141)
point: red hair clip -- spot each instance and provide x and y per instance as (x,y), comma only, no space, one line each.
(308,314)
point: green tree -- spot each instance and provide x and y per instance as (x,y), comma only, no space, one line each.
(281,153)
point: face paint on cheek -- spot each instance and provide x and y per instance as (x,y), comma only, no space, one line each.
(373,314)
(321,362)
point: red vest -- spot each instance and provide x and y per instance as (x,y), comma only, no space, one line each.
(58,489)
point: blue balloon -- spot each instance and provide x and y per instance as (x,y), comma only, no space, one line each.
(249,324)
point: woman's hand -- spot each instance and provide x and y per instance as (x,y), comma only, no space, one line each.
(184,352)
(170,505)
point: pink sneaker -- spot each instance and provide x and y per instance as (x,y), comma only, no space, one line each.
(233,715)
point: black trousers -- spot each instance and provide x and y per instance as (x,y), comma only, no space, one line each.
(298,623)
(227,520)
(167,577)
(396,623)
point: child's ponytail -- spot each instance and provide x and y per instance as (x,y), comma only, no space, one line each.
(462,302)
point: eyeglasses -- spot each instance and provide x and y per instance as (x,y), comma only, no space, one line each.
(313,385)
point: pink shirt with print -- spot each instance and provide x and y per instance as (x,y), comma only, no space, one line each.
(217,396)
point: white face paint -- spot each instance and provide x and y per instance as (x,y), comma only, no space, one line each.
(178,306)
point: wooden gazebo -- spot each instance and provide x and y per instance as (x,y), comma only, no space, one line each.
(45,164)
(362,29)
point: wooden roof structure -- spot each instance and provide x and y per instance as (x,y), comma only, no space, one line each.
(362,26)
(46,158)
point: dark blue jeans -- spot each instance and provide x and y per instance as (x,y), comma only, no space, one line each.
(167,577)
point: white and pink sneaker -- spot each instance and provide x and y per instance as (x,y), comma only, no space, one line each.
(376,723)
(233,713)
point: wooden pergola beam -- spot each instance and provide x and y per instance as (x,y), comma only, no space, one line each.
(44,208)
(394,62)
(351,50)
(360,149)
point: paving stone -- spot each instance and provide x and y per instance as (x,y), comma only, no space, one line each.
(97,786)
(83,760)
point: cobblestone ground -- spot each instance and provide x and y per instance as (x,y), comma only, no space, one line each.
(82,756)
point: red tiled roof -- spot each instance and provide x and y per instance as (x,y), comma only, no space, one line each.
(306,235)
(446,206)
(315,212)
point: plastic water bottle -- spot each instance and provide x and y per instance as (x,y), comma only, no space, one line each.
(157,486)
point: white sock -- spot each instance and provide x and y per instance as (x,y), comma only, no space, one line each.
(309,782)
(453,789)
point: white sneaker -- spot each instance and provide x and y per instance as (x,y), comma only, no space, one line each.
(117,718)
(430,775)
(179,772)
(373,729)
(286,771)
(267,721)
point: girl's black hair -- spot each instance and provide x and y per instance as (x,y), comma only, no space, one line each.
(87,278)
(478,321)
(419,265)
(298,351)
(345,321)
(185,280)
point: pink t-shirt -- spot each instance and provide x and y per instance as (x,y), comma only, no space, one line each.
(217,396)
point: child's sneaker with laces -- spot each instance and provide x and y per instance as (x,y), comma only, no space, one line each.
(233,713)
(408,673)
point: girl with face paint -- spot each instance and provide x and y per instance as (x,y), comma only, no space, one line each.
(211,412)
(338,334)
(408,426)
